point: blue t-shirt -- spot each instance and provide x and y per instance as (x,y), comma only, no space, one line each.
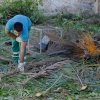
(26,26)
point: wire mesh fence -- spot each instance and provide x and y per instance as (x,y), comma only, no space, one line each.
(39,41)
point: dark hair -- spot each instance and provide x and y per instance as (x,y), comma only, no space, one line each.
(18,26)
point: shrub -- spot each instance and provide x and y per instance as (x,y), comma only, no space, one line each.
(26,7)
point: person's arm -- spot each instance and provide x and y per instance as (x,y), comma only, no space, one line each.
(23,47)
(21,62)
(10,34)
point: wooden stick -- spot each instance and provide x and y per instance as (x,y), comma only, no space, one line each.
(91,65)
(45,92)
(83,86)
(37,75)
(9,74)
(5,58)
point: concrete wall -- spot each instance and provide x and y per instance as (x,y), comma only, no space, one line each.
(99,6)
(53,7)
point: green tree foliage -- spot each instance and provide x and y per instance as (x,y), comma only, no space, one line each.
(29,8)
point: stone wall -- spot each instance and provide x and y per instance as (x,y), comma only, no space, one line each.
(53,7)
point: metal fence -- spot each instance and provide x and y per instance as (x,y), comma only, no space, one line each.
(39,41)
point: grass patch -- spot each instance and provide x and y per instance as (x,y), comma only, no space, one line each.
(11,88)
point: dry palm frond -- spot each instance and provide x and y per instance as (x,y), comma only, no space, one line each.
(60,44)
(87,43)
(56,39)
(60,40)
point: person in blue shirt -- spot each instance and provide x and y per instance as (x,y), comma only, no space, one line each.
(18,29)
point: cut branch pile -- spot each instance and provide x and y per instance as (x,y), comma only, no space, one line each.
(41,65)
(78,49)
(47,70)
(40,69)
(86,42)
(70,48)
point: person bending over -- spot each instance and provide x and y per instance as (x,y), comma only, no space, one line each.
(18,29)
